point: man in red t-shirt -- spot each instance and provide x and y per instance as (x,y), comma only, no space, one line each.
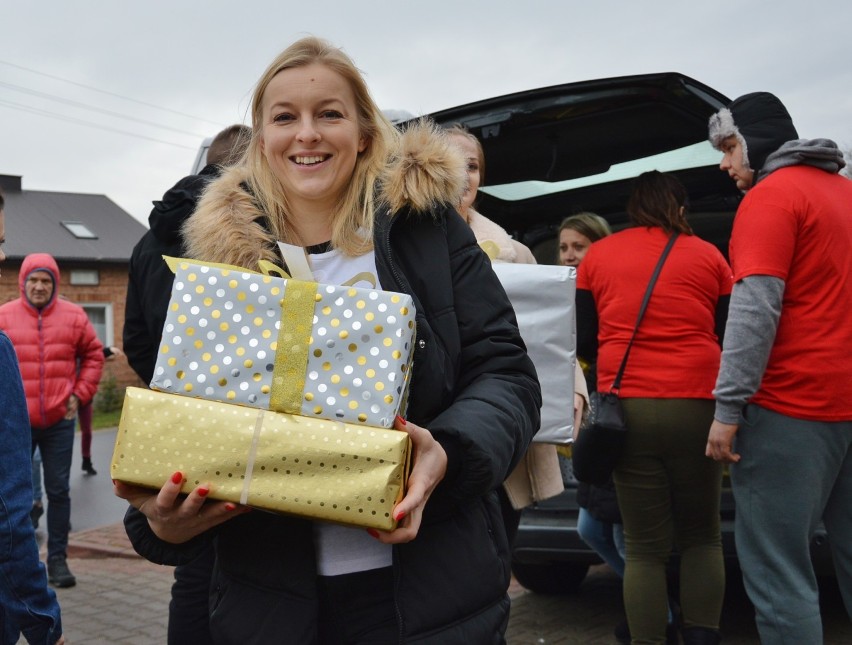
(784,390)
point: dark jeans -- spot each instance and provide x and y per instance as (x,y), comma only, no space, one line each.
(56,445)
(358,609)
(189,608)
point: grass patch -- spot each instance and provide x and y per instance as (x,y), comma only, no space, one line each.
(105,419)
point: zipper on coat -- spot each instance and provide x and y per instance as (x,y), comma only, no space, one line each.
(41,369)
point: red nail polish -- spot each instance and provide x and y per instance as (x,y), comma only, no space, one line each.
(373,533)
(398,515)
(203,492)
(177,478)
(230,507)
(400,419)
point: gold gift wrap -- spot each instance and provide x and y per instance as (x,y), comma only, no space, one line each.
(325,470)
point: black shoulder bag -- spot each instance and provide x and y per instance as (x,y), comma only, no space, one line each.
(599,445)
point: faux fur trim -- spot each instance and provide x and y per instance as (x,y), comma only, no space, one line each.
(425,170)
(721,127)
(486,230)
(226,226)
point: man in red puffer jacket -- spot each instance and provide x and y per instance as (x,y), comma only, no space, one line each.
(61,360)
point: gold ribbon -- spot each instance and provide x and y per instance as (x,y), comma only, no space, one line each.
(266,267)
(294,338)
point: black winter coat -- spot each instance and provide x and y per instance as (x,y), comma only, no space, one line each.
(150,282)
(475,389)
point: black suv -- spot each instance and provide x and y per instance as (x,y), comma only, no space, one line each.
(557,151)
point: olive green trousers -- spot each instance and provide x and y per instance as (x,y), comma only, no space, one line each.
(669,495)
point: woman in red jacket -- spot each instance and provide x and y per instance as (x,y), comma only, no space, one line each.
(668,491)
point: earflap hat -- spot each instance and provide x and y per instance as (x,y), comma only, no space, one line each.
(760,122)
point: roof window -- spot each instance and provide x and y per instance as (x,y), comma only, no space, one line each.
(79,230)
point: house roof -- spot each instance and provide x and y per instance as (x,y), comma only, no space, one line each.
(40,221)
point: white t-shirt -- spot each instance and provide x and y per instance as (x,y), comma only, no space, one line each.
(344,549)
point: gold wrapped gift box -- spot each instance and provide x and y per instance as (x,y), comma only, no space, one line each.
(325,470)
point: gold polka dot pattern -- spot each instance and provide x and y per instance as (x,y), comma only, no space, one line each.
(223,340)
(310,467)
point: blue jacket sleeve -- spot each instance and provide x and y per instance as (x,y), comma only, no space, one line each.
(27,603)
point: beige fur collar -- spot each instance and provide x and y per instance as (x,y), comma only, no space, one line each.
(425,170)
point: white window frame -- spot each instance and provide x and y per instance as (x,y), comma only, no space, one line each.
(108,337)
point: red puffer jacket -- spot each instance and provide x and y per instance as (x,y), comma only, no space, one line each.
(49,343)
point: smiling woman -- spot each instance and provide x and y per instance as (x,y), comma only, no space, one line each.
(327,171)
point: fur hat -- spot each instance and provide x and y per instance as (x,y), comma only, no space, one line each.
(759,121)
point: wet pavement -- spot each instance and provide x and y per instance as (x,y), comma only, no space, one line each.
(121,599)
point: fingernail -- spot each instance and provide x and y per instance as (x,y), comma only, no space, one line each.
(230,507)
(203,492)
(400,419)
(177,478)
(373,533)
(398,515)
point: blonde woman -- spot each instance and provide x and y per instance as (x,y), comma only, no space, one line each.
(327,171)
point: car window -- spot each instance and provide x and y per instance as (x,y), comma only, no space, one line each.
(697,155)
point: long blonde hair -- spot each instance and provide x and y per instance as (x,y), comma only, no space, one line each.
(352,223)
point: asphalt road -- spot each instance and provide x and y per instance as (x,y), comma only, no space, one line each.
(93,503)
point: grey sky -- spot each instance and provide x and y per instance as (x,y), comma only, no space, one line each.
(202,59)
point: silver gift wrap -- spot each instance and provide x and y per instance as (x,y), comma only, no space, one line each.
(316,350)
(543,299)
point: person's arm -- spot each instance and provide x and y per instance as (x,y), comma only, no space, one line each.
(753,316)
(587,326)
(24,594)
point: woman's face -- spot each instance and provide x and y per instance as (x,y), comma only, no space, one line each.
(311,139)
(572,247)
(471,157)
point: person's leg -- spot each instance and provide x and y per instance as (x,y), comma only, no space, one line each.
(599,536)
(189,608)
(782,485)
(57,445)
(838,516)
(357,608)
(644,497)
(38,506)
(696,493)
(84,414)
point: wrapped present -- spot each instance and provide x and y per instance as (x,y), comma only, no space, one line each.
(543,299)
(311,467)
(327,351)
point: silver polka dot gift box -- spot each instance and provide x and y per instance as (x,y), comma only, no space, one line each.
(328,351)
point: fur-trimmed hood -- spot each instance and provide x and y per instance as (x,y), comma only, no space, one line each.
(423,171)
(759,121)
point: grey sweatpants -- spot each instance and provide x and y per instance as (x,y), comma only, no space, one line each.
(792,474)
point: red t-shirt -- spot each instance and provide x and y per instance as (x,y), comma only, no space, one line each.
(676,352)
(796,224)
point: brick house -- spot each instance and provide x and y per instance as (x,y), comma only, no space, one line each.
(91,238)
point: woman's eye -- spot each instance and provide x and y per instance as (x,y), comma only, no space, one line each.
(282,118)
(472,167)
(332,114)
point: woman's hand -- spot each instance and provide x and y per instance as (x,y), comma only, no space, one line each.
(175,518)
(430,466)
